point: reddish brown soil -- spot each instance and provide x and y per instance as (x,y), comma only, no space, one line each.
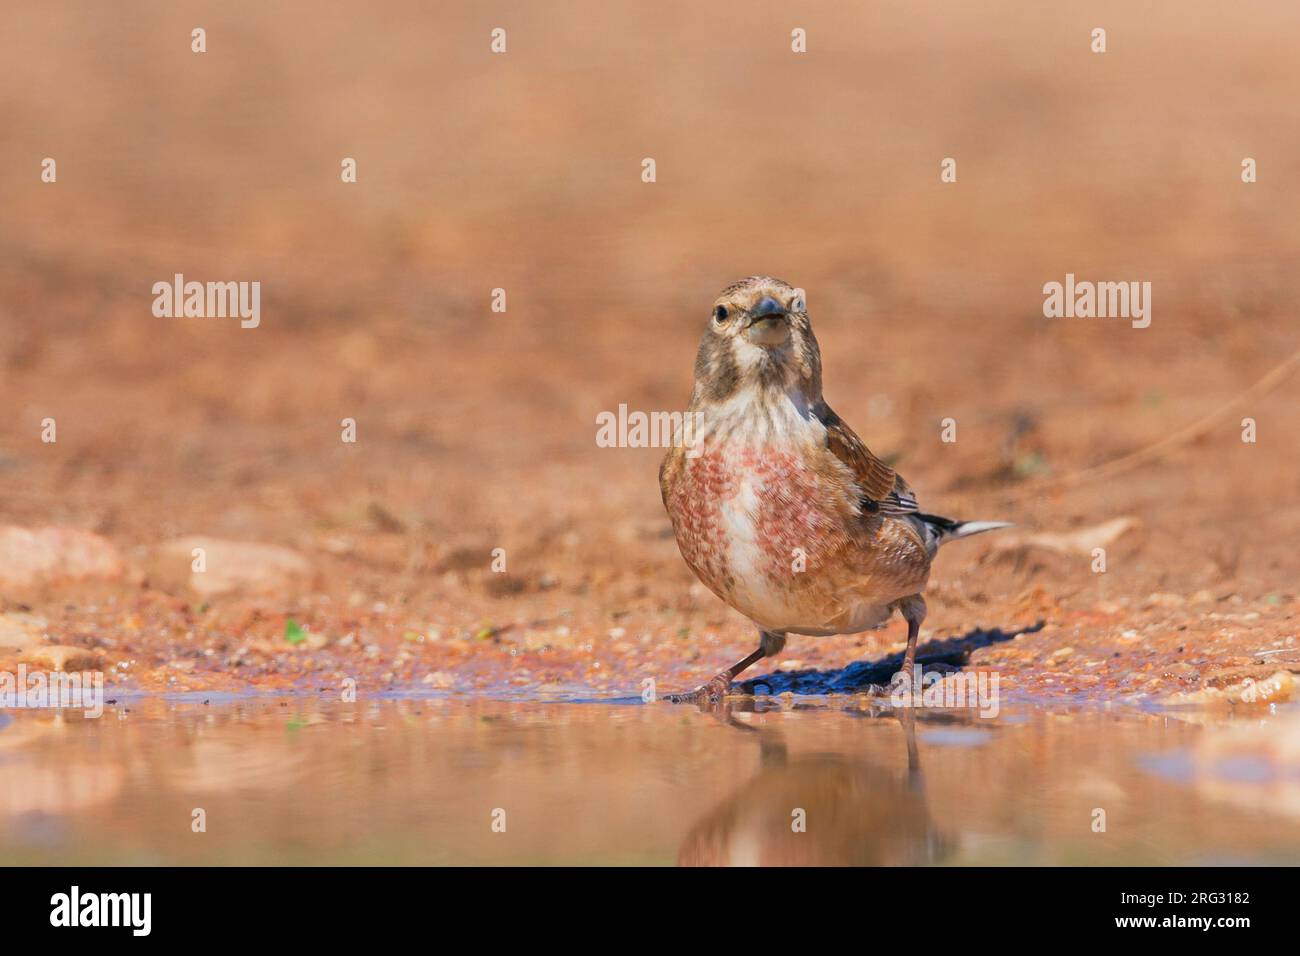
(477,429)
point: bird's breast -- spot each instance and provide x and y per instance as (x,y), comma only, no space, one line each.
(755,520)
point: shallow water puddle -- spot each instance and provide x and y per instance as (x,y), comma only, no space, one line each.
(298,780)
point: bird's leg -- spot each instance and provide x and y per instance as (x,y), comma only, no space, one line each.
(907,717)
(716,689)
(913,611)
(909,658)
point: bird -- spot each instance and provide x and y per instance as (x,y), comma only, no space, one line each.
(776,504)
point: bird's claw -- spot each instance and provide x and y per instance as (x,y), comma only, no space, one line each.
(712,692)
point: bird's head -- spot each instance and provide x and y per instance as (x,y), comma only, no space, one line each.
(758,339)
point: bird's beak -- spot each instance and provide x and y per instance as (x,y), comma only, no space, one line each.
(767,323)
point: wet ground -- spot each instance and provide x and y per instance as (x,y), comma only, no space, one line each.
(458,781)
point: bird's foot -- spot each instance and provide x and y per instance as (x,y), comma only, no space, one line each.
(905,674)
(712,692)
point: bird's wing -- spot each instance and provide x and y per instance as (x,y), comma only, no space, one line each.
(883,490)
(669,471)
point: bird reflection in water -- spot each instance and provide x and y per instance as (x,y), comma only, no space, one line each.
(855,813)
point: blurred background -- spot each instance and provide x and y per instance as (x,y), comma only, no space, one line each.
(522,171)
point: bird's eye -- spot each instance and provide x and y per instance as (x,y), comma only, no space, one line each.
(720,314)
(797,304)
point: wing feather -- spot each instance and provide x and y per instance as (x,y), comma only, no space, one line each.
(883,490)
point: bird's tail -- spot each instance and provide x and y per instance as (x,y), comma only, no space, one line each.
(939,530)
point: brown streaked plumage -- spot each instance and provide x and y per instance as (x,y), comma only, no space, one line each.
(778,506)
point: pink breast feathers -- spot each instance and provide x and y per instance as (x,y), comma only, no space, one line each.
(694,504)
(745,510)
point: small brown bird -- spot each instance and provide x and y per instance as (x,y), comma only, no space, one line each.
(778,507)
